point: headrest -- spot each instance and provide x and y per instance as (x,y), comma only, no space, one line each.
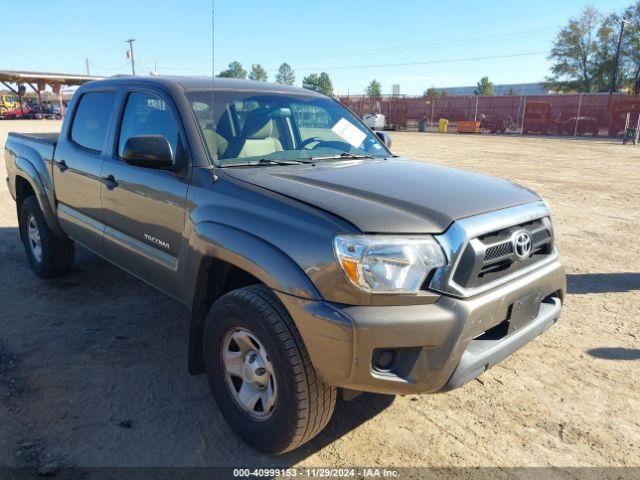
(258,127)
(202,114)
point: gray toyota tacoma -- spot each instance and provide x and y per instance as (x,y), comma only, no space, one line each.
(310,257)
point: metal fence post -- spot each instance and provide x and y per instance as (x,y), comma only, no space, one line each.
(524,112)
(433,104)
(475,115)
(575,131)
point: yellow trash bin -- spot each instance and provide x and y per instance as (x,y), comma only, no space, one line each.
(443,125)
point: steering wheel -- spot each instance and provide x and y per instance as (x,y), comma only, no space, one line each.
(310,140)
(335,144)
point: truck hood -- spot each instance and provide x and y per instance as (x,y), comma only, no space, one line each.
(396,195)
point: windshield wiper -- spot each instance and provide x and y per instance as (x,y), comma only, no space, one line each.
(271,161)
(340,156)
(265,161)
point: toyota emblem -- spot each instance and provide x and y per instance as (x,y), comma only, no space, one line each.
(522,244)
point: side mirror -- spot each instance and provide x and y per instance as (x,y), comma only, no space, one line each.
(149,151)
(385,138)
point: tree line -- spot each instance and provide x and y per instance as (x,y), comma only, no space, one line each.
(286,76)
(584,52)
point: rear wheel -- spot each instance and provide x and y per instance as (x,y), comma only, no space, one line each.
(49,255)
(260,373)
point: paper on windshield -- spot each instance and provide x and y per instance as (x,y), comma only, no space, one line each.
(349,132)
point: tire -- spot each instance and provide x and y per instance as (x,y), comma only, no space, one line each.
(55,256)
(303,403)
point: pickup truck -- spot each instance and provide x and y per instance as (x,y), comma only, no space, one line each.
(311,259)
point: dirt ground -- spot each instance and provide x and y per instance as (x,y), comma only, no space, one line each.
(93,372)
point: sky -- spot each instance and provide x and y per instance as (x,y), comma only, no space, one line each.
(414,43)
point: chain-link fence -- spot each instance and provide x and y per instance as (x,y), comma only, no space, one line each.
(580,114)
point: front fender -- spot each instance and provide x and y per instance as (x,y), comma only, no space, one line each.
(26,170)
(265,261)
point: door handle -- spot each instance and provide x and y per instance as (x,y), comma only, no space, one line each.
(110,182)
(62,165)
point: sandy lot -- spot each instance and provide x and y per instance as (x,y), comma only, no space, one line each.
(93,373)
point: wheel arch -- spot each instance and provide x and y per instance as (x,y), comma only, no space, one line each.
(27,182)
(224,258)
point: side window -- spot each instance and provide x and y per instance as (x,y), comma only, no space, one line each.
(147,114)
(91,119)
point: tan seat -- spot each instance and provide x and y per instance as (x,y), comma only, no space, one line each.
(215,141)
(259,137)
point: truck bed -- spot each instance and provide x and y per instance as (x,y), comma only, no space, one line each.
(38,149)
(47,138)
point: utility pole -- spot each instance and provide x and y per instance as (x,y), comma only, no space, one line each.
(614,73)
(130,54)
(86,64)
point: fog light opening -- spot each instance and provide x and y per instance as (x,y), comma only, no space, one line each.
(383,359)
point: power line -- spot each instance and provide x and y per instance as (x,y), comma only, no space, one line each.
(186,69)
(107,68)
(404,47)
(427,62)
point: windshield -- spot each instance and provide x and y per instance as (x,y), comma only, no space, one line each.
(263,127)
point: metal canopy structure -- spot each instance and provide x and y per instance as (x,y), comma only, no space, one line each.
(39,80)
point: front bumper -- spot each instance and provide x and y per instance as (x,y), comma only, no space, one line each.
(437,347)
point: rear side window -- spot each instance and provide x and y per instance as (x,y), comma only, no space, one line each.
(147,114)
(91,120)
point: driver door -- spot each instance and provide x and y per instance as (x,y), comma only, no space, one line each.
(144,208)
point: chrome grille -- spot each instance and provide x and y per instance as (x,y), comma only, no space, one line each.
(481,249)
(540,236)
(497,251)
(491,256)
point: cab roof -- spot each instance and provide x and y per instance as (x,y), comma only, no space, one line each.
(205,83)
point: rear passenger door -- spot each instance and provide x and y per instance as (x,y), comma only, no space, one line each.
(78,163)
(144,208)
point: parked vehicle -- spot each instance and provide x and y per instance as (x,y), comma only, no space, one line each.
(375,121)
(311,258)
(494,123)
(22,111)
(49,109)
(8,103)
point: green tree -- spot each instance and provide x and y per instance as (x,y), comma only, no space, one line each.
(574,53)
(431,92)
(258,73)
(235,70)
(311,82)
(631,46)
(584,51)
(511,92)
(484,87)
(325,84)
(285,75)
(374,89)
(605,53)
(318,83)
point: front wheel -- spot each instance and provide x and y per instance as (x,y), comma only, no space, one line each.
(260,373)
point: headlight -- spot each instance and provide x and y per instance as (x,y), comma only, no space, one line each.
(385,264)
